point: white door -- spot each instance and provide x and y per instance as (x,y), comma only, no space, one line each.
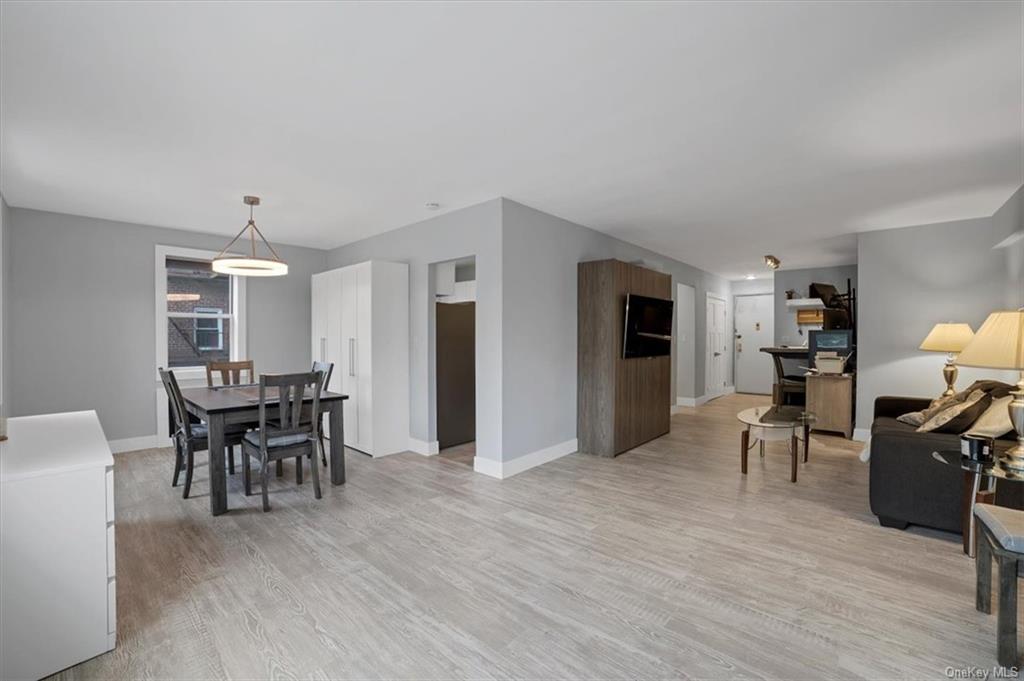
(346,369)
(754,319)
(364,358)
(717,346)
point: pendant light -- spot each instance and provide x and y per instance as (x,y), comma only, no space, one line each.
(250,265)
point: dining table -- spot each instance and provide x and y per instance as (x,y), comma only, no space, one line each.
(239,405)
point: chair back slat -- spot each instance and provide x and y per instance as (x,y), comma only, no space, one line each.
(326,368)
(230,372)
(174,396)
(291,391)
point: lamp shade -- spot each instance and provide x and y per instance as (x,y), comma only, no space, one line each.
(948,337)
(999,343)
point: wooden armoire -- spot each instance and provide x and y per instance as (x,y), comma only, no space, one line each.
(621,403)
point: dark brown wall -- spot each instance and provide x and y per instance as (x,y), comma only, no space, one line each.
(622,403)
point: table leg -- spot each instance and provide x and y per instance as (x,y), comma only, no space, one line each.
(337,443)
(807,439)
(972,483)
(744,446)
(794,448)
(218,479)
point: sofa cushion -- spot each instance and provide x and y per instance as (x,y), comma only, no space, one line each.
(995,422)
(958,417)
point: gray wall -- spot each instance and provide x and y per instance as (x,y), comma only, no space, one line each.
(752,287)
(787,331)
(540,255)
(473,231)
(685,340)
(5,221)
(80,300)
(1010,220)
(915,277)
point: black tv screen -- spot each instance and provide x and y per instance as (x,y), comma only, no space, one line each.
(648,327)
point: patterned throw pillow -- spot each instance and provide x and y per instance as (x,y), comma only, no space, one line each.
(917,418)
(958,417)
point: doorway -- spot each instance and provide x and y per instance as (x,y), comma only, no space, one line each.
(455,363)
(754,320)
(686,344)
(716,347)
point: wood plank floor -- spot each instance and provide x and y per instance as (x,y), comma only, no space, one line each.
(662,563)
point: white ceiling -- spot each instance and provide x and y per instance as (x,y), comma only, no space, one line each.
(713,133)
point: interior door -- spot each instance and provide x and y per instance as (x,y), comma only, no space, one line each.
(456,373)
(716,347)
(754,318)
(363,362)
(346,369)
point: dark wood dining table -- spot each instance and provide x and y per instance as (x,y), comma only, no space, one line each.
(223,406)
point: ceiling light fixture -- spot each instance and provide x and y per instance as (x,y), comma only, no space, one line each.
(750,276)
(771,262)
(183,297)
(251,265)
(433,206)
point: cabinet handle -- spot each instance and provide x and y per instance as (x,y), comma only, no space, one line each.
(351,356)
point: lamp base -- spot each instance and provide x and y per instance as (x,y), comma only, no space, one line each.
(1013,458)
(949,373)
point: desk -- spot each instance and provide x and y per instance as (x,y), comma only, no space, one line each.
(228,405)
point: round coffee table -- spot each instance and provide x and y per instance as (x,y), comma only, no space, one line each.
(772,424)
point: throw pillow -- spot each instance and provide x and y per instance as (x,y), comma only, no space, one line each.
(995,422)
(997,389)
(958,417)
(917,418)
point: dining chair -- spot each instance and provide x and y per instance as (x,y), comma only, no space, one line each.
(327,368)
(189,437)
(230,374)
(292,434)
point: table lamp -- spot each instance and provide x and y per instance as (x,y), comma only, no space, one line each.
(949,338)
(999,344)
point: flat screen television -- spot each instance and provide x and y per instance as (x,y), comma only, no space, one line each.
(648,327)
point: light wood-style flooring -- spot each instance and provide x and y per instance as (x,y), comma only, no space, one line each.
(662,563)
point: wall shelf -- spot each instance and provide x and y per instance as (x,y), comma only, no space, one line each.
(805,304)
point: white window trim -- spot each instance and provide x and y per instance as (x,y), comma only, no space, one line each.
(237,316)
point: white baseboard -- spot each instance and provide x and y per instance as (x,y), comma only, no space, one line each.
(132,444)
(423,447)
(697,401)
(861,434)
(506,469)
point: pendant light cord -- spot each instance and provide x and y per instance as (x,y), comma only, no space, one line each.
(253,231)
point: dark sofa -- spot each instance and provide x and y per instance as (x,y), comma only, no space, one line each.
(907,485)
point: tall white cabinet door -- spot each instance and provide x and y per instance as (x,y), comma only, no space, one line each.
(319,317)
(364,354)
(348,352)
(333,324)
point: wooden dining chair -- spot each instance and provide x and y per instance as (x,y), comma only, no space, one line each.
(326,368)
(230,374)
(286,430)
(188,437)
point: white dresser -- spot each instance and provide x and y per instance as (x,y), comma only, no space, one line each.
(57,586)
(360,318)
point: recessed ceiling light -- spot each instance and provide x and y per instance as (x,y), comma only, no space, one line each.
(433,206)
(751,276)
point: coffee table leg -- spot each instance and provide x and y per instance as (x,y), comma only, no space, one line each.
(744,445)
(794,448)
(807,440)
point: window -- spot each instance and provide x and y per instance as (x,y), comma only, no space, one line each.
(198,312)
(209,332)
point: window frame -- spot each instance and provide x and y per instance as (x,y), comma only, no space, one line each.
(237,316)
(202,314)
